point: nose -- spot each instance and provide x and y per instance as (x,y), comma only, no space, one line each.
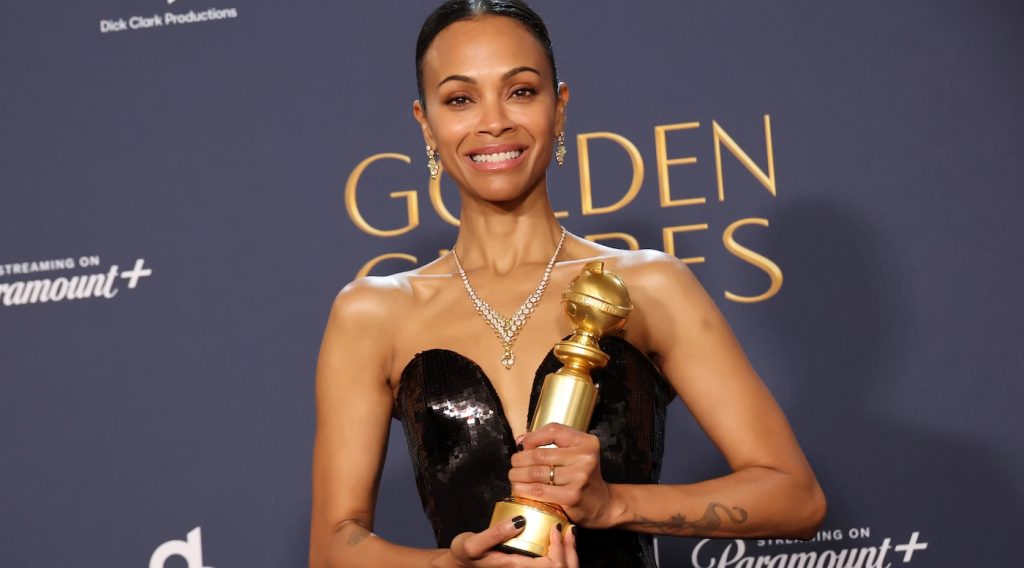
(494,118)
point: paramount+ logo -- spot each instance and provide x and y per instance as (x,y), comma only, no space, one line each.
(835,548)
(98,282)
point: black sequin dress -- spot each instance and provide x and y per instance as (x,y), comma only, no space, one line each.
(461,444)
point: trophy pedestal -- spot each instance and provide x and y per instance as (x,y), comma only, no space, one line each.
(540,517)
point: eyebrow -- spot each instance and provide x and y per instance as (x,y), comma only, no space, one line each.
(508,75)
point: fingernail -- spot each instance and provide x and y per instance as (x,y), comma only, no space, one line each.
(574,530)
(519,521)
(519,446)
(558,527)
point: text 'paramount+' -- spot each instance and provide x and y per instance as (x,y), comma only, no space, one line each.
(77,287)
(735,554)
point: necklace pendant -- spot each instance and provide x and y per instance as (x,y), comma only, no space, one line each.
(508,358)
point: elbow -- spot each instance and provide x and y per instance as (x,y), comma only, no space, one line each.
(811,512)
(320,556)
(325,552)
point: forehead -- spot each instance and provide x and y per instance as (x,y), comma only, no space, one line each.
(483,45)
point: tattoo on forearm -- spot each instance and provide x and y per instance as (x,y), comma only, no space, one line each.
(704,526)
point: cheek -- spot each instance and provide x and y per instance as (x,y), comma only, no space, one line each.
(450,130)
(539,120)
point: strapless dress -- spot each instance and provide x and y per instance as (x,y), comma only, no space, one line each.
(461,445)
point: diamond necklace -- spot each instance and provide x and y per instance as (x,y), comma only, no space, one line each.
(507,329)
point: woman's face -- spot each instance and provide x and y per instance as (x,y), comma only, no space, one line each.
(489,108)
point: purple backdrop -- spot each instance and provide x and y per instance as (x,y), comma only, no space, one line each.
(174,227)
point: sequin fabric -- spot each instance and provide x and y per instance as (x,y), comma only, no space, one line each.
(461,444)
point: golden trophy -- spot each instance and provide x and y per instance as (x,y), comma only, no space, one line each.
(597,303)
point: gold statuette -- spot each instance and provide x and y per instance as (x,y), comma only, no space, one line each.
(597,303)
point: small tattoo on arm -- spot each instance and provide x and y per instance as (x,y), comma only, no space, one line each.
(704,526)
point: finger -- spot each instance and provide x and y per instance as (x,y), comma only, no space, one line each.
(569,544)
(546,456)
(541,474)
(553,433)
(558,494)
(556,550)
(476,545)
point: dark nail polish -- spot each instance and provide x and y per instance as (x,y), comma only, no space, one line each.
(559,527)
(519,521)
(574,530)
(519,447)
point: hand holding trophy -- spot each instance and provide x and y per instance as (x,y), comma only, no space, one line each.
(597,302)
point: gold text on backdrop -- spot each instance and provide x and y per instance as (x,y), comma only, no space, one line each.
(663,162)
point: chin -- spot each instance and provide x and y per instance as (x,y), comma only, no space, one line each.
(503,192)
(498,188)
(501,197)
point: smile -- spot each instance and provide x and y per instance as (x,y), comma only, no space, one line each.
(496,157)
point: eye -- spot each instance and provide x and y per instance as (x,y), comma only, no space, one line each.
(457,101)
(523,92)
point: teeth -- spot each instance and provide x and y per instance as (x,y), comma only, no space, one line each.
(499,157)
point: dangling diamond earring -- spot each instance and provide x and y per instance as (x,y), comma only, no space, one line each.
(432,158)
(560,148)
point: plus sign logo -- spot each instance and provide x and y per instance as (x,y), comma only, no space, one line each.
(911,547)
(134,274)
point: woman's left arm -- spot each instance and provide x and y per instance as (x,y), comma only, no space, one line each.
(771,490)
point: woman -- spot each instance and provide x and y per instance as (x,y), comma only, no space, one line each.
(415,344)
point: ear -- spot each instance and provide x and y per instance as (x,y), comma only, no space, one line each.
(421,117)
(560,104)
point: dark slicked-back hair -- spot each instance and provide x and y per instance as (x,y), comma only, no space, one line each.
(459,10)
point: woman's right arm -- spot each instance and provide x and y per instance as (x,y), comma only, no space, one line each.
(353,416)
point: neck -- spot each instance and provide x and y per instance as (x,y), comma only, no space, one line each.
(500,237)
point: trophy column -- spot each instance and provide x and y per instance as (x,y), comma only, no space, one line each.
(597,302)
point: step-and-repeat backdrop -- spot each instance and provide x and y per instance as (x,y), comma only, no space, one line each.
(186,184)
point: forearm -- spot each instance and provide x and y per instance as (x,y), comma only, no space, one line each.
(353,546)
(754,501)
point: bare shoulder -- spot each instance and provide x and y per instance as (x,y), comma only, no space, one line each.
(366,313)
(358,344)
(647,271)
(668,300)
(655,272)
(370,299)
(376,299)
(661,284)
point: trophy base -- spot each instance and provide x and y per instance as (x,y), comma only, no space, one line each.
(540,517)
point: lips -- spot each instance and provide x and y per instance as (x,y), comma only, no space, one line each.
(496,156)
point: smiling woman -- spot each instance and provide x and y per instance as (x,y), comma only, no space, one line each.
(490,108)
(414,346)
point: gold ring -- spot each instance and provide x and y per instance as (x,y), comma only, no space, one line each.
(551,475)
